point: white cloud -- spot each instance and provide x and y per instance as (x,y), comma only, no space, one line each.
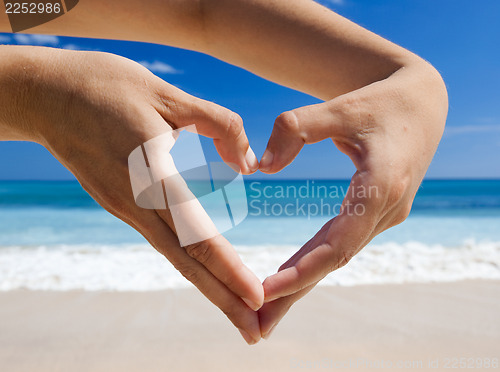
(36,39)
(467,129)
(160,67)
(331,2)
(72,47)
(4,39)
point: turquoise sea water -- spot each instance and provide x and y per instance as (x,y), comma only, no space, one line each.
(54,236)
(280,212)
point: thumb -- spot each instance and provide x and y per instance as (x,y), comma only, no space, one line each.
(293,129)
(217,122)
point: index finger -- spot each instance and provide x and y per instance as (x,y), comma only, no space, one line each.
(346,235)
(165,241)
(220,258)
(213,121)
(157,184)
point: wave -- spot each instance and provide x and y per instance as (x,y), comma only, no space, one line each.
(141,268)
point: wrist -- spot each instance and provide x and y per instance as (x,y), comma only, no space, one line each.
(30,105)
(430,84)
(19,67)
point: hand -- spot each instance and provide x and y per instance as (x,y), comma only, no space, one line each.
(390,129)
(90,110)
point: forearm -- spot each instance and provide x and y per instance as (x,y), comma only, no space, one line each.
(300,44)
(296,43)
(28,76)
(169,22)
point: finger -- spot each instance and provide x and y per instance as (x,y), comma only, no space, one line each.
(165,241)
(272,312)
(313,242)
(293,129)
(221,259)
(348,233)
(159,234)
(211,120)
(175,203)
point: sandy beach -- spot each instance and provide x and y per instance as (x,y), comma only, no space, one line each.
(422,326)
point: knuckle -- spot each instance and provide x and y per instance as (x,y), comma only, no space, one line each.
(369,191)
(386,191)
(402,214)
(200,251)
(338,259)
(397,191)
(288,124)
(228,279)
(349,109)
(231,313)
(234,124)
(189,272)
(346,257)
(347,103)
(375,200)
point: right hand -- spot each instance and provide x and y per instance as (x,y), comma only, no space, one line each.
(390,129)
(90,110)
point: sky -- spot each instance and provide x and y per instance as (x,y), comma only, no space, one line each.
(460,38)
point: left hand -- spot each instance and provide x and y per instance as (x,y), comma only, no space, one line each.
(390,129)
(91,110)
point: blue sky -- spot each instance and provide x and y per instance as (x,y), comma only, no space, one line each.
(460,38)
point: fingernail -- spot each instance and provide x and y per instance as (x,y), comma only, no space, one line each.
(235,167)
(247,337)
(252,305)
(267,160)
(251,159)
(268,334)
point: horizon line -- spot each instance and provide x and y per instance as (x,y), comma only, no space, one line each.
(275,179)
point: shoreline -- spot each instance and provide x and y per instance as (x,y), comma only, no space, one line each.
(333,328)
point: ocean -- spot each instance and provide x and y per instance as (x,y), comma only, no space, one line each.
(53,236)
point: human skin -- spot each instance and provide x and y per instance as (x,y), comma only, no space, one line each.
(91,110)
(384,107)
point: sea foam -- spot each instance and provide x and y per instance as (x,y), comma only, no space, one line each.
(141,268)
